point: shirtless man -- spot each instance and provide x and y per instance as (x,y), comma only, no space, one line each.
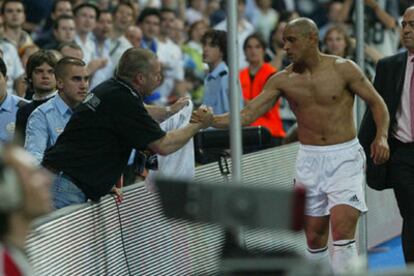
(330,164)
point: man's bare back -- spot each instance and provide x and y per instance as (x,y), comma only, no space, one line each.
(321,101)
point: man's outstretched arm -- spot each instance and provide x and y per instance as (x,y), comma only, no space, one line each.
(255,108)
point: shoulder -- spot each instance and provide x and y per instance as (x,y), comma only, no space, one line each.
(277,80)
(343,66)
(394,59)
(18,101)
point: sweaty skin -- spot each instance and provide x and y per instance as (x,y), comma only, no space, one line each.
(320,90)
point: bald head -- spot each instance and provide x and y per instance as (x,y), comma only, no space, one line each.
(134,35)
(304,26)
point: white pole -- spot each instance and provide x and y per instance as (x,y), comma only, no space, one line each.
(232,54)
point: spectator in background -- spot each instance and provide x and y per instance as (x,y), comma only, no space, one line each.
(337,15)
(216,92)
(14,18)
(338,42)
(195,69)
(102,35)
(41,80)
(244,29)
(71,49)
(195,11)
(381,28)
(85,19)
(21,87)
(149,22)
(265,18)
(9,104)
(11,58)
(48,121)
(124,16)
(45,34)
(24,197)
(178,34)
(64,30)
(253,79)
(134,35)
(170,56)
(84,157)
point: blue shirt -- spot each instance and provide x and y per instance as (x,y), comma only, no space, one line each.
(45,124)
(8,110)
(216,91)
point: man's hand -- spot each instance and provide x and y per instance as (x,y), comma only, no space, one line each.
(203,115)
(380,151)
(178,105)
(118,194)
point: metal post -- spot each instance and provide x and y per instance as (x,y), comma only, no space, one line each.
(360,107)
(232,54)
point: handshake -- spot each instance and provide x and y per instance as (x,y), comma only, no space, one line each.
(203,116)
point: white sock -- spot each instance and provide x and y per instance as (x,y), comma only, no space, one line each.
(320,255)
(344,253)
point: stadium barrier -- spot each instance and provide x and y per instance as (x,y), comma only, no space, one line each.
(134,238)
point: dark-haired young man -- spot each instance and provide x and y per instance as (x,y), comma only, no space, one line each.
(63,32)
(41,80)
(216,92)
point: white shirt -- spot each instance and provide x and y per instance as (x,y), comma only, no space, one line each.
(171,57)
(88,47)
(118,47)
(180,164)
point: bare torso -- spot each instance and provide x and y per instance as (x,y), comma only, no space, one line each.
(321,102)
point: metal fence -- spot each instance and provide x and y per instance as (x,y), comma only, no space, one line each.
(134,238)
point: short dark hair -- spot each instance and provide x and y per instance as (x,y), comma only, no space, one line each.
(60,68)
(89,5)
(256,36)
(217,38)
(3,68)
(127,3)
(38,59)
(5,2)
(61,17)
(167,10)
(148,12)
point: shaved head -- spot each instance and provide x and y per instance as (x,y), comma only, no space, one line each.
(304,26)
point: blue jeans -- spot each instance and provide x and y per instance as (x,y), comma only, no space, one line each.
(65,192)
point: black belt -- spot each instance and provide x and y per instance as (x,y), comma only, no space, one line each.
(397,143)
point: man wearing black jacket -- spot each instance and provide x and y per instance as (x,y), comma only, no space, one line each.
(394,80)
(91,153)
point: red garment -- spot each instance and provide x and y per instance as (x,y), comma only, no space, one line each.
(251,88)
(9,266)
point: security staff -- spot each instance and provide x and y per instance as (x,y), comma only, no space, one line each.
(91,153)
(9,104)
